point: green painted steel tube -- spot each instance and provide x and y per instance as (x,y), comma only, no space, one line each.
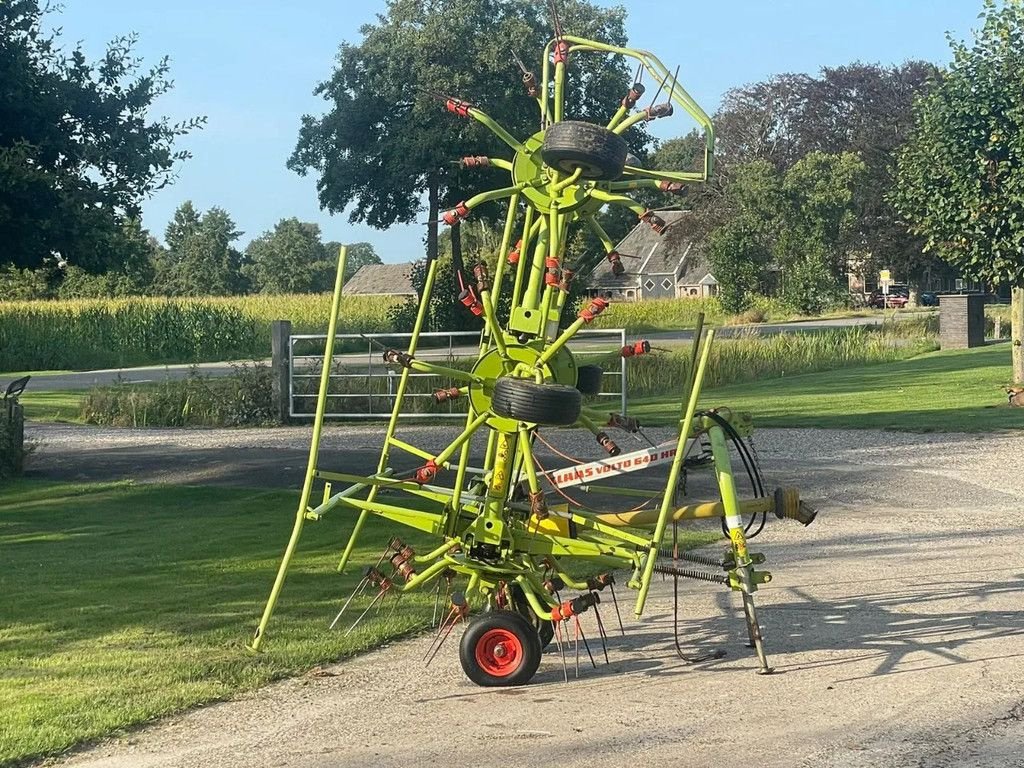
(441,370)
(458,442)
(529,232)
(494,194)
(403,382)
(506,242)
(625,202)
(314,452)
(526,448)
(673,478)
(497,129)
(531,298)
(559,90)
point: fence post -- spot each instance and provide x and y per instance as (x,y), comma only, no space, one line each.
(280,351)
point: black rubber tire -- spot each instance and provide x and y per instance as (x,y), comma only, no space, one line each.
(520,645)
(570,144)
(545,629)
(589,379)
(526,400)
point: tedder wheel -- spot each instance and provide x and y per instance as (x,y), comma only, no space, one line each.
(545,630)
(598,152)
(525,400)
(589,379)
(500,648)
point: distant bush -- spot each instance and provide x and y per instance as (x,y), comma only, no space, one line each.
(242,399)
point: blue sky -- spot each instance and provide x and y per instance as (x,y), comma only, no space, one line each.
(251,68)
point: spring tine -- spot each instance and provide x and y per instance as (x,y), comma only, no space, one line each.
(586,645)
(601,633)
(615,602)
(437,600)
(576,645)
(558,641)
(359,586)
(373,602)
(451,626)
(394,605)
(518,61)
(440,628)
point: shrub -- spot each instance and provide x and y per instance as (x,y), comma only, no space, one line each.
(242,399)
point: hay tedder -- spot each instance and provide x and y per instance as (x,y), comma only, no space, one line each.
(511,536)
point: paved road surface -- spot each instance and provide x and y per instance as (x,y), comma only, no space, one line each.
(895,624)
(87,379)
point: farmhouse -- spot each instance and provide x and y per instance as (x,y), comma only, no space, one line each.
(657,266)
(381,280)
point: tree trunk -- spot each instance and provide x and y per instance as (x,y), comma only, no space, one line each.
(1017,333)
(457,264)
(433,215)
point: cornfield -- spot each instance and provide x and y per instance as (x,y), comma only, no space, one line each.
(108,333)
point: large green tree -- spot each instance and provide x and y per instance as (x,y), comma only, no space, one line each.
(79,149)
(200,259)
(789,232)
(861,108)
(286,260)
(960,183)
(384,144)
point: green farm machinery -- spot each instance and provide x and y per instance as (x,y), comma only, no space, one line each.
(510,533)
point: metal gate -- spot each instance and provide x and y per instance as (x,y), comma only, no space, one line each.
(361,386)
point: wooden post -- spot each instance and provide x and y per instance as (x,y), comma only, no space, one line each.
(280,352)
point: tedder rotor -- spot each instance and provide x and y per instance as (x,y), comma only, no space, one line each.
(495,519)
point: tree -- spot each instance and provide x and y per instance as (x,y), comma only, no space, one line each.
(200,259)
(359,255)
(78,148)
(860,108)
(287,260)
(792,227)
(385,143)
(960,182)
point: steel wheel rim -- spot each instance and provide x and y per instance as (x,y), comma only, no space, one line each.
(499,652)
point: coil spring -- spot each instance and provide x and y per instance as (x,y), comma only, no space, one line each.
(691,557)
(689,573)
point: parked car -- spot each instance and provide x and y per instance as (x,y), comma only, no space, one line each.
(897,298)
(928,299)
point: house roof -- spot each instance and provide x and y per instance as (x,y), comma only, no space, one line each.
(381,280)
(671,253)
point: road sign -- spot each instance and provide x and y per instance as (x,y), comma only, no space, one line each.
(885,280)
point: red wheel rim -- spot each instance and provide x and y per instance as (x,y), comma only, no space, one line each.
(499,652)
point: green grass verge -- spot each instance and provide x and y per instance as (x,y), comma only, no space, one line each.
(954,391)
(65,405)
(123,603)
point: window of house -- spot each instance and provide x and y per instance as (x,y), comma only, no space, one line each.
(666,284)
(630,294)
(649,285)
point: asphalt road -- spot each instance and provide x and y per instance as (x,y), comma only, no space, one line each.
(894,624)
(86,379)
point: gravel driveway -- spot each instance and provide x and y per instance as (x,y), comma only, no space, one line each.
(895,624)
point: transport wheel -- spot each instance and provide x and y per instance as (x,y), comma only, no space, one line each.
(544,628)
(525,400)
(589,379)
(570,144)
(500,648)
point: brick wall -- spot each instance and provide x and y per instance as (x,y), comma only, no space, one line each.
(961,320)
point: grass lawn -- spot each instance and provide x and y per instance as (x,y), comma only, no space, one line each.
(123,603)
(52,406)
(954,391)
